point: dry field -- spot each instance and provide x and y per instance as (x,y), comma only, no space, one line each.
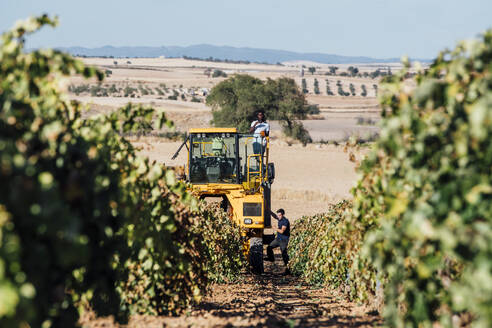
(308,178)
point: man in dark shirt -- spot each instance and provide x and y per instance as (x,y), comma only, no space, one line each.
(282,240)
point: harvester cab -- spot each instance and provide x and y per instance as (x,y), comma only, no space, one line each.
(234,166)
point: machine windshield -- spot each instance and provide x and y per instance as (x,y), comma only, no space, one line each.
(213,158)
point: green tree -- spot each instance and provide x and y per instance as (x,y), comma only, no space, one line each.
(364,90)
(235,100)
(312,69)
(352,71)
(316,87)
(333,70)
(375,73)
(219,73)
(328,89)
(352,89)
(304,86)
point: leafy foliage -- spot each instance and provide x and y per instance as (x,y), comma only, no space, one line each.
(428,186)
(352,89)
(325,249)
(235,101)
(223,246)
(304,86)
(420,222)
(328,89)
(219,73)
(317,247)
(364,90)
(353,71)
(83,218)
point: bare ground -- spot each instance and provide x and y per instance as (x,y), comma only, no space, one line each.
(269,300)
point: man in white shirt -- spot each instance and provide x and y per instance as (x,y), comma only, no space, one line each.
(258,126)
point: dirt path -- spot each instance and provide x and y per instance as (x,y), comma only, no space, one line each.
(269,300)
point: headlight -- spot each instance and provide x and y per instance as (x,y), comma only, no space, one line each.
(248,221)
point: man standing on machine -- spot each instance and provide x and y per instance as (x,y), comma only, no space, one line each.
(257,127)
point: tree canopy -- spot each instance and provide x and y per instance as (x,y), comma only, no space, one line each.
(235,101)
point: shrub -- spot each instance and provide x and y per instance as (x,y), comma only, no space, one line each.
(129,91)
(83,218)
(223,246)
(333,70)
(312,109)
(297,131)
(79,89)
(353,71)
(219,73)
(323,247)
(143,90)
(113,89)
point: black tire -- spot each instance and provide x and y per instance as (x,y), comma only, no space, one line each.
(256,255)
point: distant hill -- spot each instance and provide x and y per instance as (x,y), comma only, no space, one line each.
(223,52)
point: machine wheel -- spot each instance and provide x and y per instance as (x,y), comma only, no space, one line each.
(256,255)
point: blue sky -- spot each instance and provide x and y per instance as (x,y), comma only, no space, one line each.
(376,28)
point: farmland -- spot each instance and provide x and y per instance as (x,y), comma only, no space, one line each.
(390,203)
(326,175)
